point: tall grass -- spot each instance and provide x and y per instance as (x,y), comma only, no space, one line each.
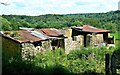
(83,61)
(77,61)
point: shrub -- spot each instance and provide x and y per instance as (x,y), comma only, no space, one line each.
(84,61)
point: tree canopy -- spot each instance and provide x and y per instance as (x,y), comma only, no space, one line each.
(107,20)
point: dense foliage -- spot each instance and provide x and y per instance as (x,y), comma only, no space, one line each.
(107,20)
(78,62)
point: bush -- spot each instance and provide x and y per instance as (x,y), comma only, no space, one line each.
(84,61)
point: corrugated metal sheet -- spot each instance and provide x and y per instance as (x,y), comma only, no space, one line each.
(27,37)
(24,36)
(36,35)
(50,32)
(90,29)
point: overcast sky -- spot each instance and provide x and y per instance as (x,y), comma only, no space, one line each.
(39,7)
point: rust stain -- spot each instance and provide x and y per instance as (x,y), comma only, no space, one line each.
(26,36)
(51,32)
(88,28)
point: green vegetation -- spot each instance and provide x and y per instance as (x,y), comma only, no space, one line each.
(116,35)
(107,20)
(78,62)
(116,38)
(85,61)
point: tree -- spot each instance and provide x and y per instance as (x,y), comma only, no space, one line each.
(5,24)
(77,23)
(110,26)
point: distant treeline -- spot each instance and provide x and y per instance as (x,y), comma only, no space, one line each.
(107,20)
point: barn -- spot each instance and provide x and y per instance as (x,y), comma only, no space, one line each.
(92,35)
(28,42)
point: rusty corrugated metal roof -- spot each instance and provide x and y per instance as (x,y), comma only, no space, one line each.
(88,28)
(36,35)
(52,32)
(24,36)
(91,29)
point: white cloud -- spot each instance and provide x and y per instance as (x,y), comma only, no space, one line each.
(37,7)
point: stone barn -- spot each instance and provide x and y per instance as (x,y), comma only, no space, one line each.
(92,35)
(84,36)
(27,43)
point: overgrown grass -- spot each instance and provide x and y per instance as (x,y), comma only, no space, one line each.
(86,61)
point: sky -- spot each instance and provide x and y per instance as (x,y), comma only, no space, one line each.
(40,7)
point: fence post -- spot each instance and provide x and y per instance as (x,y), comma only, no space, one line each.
(113,64)
(107,64)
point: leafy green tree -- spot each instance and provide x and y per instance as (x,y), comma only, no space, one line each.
(6,24)
(77,23)
(110,26)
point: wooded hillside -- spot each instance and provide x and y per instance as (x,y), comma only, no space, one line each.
(107,20)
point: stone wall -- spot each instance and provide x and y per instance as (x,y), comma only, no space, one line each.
(80,39)
(29,50)
(77,41)
(73,43)
(46,45)
(96,39)
(68,32)
(10,48)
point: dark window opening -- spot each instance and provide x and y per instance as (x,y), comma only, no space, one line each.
(37,44)
(57,43)
(54,43)
(111,40)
